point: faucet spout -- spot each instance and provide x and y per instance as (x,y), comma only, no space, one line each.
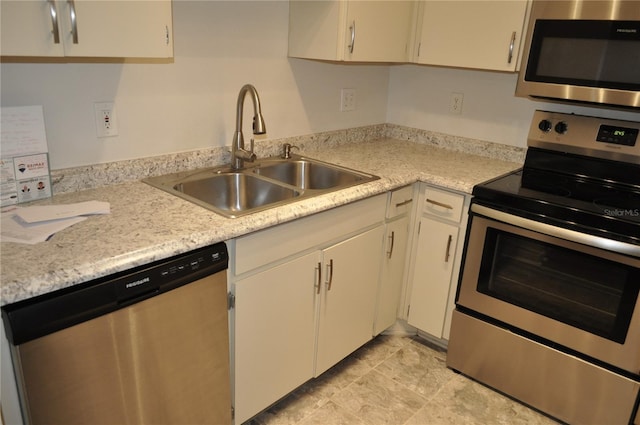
(238,152)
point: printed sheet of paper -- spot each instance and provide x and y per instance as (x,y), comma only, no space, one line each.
(24,157)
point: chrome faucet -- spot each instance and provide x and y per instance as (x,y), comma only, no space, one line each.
(238,152)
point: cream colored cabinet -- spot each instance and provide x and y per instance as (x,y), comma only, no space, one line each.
(479,34)
(351,30)
(87,28)
(305,294)
(436,261)
(274,333)
(348,297)
(392,274)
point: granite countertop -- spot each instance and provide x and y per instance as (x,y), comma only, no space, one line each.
(147,224)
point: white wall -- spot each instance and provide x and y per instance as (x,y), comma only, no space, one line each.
(191,103)
(221,45)
(419,97)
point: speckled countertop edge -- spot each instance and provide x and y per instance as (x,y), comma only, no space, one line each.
(147,224)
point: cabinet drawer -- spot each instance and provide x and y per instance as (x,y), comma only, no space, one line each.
(400,201)
(443,204)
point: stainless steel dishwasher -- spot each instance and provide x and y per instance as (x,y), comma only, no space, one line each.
(145,346)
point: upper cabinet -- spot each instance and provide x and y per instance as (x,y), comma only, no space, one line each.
(470,34)
(351,30)
(87,28)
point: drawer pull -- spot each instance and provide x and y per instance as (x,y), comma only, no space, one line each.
(330,274)
(446,255)
(319,268)
(391,239)
(439,204)
(74,20)
(54,21)
(403,203)
(511,46)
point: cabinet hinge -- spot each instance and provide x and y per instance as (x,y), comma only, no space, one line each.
(233,412)
(231,301)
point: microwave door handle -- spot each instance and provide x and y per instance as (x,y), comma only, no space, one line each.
(511,46)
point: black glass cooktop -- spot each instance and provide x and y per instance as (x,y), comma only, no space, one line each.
(590,195)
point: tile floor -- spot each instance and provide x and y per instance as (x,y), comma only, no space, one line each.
(395,380)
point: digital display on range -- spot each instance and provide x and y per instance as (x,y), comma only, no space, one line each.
(617,135)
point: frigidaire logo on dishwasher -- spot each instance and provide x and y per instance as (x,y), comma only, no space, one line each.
(136,283)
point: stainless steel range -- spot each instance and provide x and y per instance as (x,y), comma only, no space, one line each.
(547,309)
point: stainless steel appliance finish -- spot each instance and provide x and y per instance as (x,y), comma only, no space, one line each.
(583,51)
(146,346)
(548,302)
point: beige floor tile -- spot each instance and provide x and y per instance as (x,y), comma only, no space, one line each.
(396,380)
(463,401)
(379,400)
(419,367)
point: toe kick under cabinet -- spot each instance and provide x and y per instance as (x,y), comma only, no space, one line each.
(304,297)
(437,250)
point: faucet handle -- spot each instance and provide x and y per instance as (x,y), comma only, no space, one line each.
(251,144)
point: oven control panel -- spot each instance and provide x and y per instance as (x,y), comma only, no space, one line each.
(584,135)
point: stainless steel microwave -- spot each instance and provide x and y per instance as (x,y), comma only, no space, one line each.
(583,51)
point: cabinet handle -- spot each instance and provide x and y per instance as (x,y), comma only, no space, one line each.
(446,255)
(352,28)
(319,268)
(74,20)
(391,238)
(330,274)
(439,204)
(511,46)
(54,21)
(403,203)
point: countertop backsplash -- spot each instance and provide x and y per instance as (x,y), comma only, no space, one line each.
(100,175)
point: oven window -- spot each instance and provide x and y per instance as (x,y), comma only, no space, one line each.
(581,290)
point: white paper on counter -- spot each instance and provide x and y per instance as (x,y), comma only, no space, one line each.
(40,213)
(13,229)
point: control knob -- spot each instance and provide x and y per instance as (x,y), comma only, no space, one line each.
(545,125)
(561,127)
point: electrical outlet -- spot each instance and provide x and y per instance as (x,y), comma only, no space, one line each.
(455,103)
(106,121)
(347,100)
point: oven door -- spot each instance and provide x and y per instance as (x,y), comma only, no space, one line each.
(584,298)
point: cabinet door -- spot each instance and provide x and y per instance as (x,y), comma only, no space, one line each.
(108,28)
(396,237)
(88,28)
(274,333)
(432,272)
(471,34)
(351,273)
(378,31)
(28,28)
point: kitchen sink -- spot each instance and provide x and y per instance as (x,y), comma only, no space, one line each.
(267,183)
(307,174)
(235,192)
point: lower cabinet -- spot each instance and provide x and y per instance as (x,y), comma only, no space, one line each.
(435,256)
(274,333)
(435,263)
(297,315)
(347,297)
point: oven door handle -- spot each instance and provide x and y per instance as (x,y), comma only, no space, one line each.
(559,232)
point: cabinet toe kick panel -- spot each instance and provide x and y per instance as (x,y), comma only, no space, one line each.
(552,381)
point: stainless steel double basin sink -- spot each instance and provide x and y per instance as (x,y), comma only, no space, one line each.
(267,183)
